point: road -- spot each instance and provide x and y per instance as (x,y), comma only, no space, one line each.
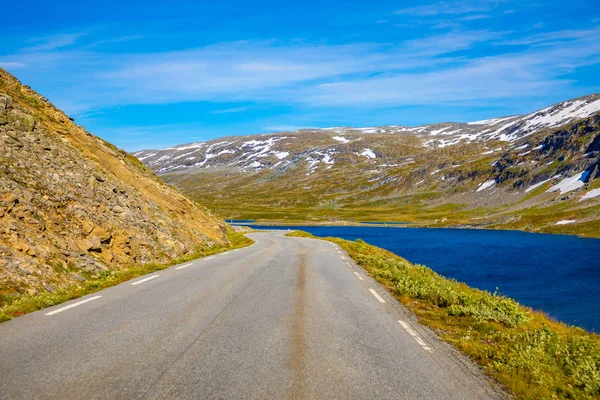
(284,318)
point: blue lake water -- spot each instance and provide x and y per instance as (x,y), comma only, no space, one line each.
(555,273)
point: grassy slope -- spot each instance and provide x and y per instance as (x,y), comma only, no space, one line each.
(15,305)
(437,188)
(534,356)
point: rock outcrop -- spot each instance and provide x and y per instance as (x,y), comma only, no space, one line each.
(73,205)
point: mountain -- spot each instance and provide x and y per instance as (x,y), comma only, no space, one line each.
(73,205)
(535,172)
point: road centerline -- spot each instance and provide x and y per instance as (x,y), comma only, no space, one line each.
(415,336)
(145,280)
(73,305)
(377,296)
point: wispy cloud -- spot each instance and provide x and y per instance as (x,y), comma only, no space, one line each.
(556,38)
(230,110)
(54,42)
(449,8)
(430,70)
(12,65)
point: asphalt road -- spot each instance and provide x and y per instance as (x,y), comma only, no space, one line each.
(284,318)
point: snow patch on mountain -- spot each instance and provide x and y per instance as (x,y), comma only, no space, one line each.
(590,195)
(340,139)
(368,153)
(570,184)
(486,185)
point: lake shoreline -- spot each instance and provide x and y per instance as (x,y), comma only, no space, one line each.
(393,224)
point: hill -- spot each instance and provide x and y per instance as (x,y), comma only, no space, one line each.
(73,205)
(534,172)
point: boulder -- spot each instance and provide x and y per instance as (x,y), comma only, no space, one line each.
(96,244)
(6,102)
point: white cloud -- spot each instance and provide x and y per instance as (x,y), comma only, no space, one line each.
(449,8)
(423,71)
(230,110)
(12,65)
(54,42)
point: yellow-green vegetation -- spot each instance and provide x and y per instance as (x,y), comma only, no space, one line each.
(18,304)
(407,182)
(533,356)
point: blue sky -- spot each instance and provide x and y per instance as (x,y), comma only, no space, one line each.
(148,74)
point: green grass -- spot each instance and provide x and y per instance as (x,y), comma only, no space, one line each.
(533,356)
(14,305)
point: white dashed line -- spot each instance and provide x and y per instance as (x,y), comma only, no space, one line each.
(73,305)
(145,280)
(377,296)
(209,258)
(348,264)
(343,258)
(415,336)
(184,266)
(358,276)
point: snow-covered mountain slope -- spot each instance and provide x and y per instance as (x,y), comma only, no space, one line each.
(527,172)
(315,146)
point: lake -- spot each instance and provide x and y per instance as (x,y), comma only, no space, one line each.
(558,274)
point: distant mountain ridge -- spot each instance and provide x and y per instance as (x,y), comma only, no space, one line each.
(247,154)
(536,172)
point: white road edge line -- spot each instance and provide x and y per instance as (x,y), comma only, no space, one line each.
(145,280)
(377,296)
(209,258)
(358,276)
(415,336)
(343,258)
(184,266)
(73,305)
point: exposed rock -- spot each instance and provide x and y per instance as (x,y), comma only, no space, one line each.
(6,102)
(95,244)
(99,177)
(72,203)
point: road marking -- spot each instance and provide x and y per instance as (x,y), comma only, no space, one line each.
(415,336)
(184,266)
(73,305)
(377,296)
(339,252)
(209,258)
(358,275)
(145,280)
(343,258)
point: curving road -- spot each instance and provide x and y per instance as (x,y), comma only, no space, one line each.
(284,318)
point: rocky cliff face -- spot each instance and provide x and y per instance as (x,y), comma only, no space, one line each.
(73,205)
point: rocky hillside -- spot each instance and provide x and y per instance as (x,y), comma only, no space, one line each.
(73,205)
(536,172)
(270,151)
